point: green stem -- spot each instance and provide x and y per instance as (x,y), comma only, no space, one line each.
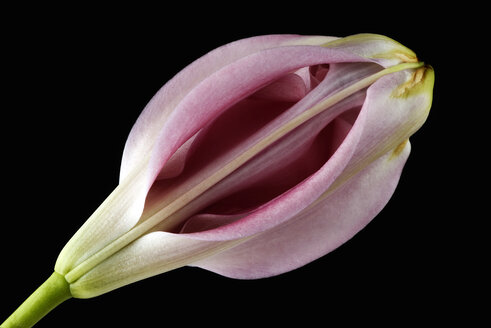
(50,294)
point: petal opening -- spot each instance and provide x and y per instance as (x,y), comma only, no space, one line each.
(250,120)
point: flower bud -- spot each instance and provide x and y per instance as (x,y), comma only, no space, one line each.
(257,158)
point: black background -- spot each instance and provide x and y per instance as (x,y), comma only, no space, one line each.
(77,79)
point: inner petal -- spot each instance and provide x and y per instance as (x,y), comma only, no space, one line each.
(267,182)
(245,201)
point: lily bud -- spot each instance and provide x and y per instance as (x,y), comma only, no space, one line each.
(258,158)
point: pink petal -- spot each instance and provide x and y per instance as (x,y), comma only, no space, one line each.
(316,230)
(154,116)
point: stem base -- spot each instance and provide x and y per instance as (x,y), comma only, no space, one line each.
(50,294)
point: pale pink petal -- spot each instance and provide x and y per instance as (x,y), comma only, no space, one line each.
(316,230)
(151,121)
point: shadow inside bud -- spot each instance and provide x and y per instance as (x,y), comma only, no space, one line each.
(273,178)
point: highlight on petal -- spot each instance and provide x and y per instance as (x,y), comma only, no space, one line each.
(115,216)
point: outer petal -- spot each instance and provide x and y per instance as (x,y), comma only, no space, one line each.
(152,119)
(396,106)
(153,253)
(317,230)
(115,216)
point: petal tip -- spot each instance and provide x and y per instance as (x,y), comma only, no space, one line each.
(421,81)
